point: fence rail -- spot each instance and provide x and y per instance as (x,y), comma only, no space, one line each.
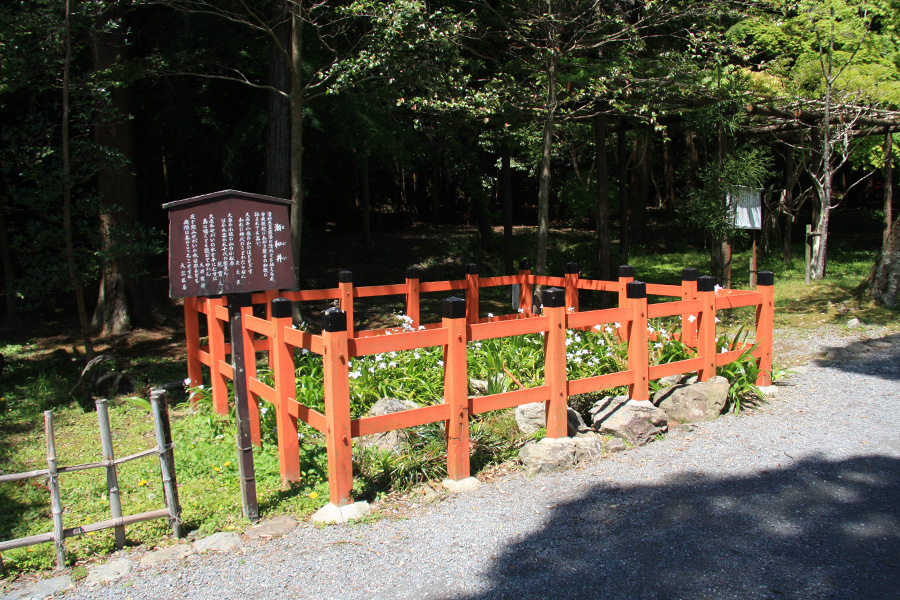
(698,300)
(163,450)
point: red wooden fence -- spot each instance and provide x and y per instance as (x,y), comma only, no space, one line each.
(698,299)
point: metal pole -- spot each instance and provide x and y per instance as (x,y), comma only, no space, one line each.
(112,479)
(53,484)
(160,408)
(246,469)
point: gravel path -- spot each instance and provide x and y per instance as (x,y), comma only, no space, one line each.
(800,499)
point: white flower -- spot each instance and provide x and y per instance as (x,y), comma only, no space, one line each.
(717,288)
(617,325)
(392,364)
(692,318)
(490,315)
(304,351)
(657,345)
(355,374)
(440,363)
(263,410)
(650,329)
(609,329)
(187,381)
(571,309)
(521,310)
(421,328)
(718,320)
(388,332)
(598,327)
(723,350)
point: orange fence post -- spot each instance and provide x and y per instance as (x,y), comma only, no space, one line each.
(412,296)
(250,373)
(572,287)
(270,342)
(638,352)
(453,312)
(335,363)
(471,294)
(689,292)
(345,283)
(192,338)
(765,323)
(706,329)
(216,332)
(555,363)
(626,276)
(526,298)
(281,362)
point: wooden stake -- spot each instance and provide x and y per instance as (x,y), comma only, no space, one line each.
(53,484)
(246,469)
(160,408)
(112,479)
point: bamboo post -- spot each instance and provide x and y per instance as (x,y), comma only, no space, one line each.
(453,312)
(216,332)
(192,337)
(765,323)
(246,469)
(285,392)
(471,294)
(572,287)
(112,479)
(345,283)
(689,292)
(412,295)
(706,329)
(250,373)
(53,484)
(555,362)
(335,363)
(638,351)
(160,407)
(526,297)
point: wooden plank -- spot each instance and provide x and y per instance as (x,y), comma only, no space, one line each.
(226,370)
(260,326)
(481,404)
(548,281)
(675,368)
(368,291)
(659,289)
(737,300)
(31,540)
(203,355)
(723,358)
(298,339)
(600,382)
(599,317)
(442,286)
(495,281)
(397,342)
(398,420)
(261,389)
(312,295)
(597,285)
(496,329)
(671,309)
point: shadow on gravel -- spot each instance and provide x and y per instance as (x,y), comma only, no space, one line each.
(817,530)
(878,363)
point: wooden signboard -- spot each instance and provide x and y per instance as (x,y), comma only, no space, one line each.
(229,242)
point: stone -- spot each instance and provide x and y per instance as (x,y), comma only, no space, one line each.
(162,555)
(769,391)
(469,484)
(428,493)
(107,572)
(39,590)
(274,528)
(695,379)
(223,541)
(614,445)
(836,353)
(605,407)
(858,348)
(389,441)
(331,514)
(694,403)
(671,380)
(531,417)
(893,338)
(635,421)
(854,323)
(480,387)
(879,344)
(549,454)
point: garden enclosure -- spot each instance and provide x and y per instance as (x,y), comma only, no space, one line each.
(696,303)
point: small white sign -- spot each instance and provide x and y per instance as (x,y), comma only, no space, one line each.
(745,206)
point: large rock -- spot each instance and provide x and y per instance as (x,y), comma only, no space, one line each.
(389,441)
(532,416)
(636,422)
(694,403)
(558,454)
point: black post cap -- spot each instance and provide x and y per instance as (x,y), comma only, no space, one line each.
(706,283)
(242,300)
(334,319)
(524,265)
(413,273)
(453,308)
(636,289)
(554,297)
(281,308)
(689,274)
(345,277)
(471,269)
(626,271)
(571,267)
(765,278)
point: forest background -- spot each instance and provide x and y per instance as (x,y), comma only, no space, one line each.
(373,116)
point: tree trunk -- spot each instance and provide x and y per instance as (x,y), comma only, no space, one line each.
(365,198)
(506,195)
(622,143)
(640,189)
(9,277)
(546,153)
(669,156)
(119,296)
(278,128)
(787,203)
(885,284)
(296,102)
(888,187)
(602,175)
(721,247)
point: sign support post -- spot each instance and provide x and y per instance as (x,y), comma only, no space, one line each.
(246,468)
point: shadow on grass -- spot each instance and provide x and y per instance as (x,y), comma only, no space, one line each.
(819,529)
